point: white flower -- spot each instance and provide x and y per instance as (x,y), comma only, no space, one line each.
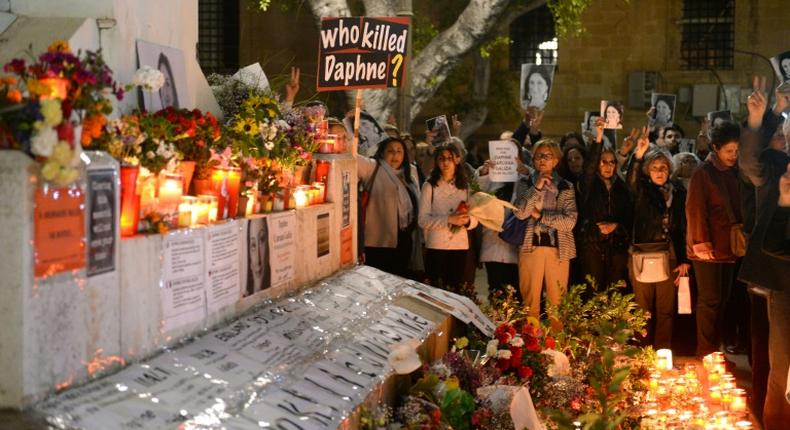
(403,358)
(269,146)
(150,155)
(272,133)
(491,348)
(148,78)
(517,341)
(504,354)
(44,141)
(559,366)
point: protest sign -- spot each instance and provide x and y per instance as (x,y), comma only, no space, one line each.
(362,52)
(503,155)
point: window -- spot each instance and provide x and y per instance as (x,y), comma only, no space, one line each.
(533,39)
(708,34)
(218,36)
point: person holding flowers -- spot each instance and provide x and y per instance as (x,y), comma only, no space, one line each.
(444,217)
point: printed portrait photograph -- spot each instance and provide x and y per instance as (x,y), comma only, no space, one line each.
(536,85)
(781,65)
(612,112)
(664,109)
(169,61)
(258,271)
(440,129)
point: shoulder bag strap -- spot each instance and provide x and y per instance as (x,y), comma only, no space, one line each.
(369,186)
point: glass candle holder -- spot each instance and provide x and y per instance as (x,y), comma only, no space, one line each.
(188,211)
(170,188)
(130,200)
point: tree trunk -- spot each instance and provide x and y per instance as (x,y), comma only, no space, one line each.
(473,119)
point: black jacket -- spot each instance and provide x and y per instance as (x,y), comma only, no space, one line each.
(765,263)
(598,204)
(649,210)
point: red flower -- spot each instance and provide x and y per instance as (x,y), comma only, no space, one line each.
(550,342)
(576,404)
(531,344)
(525,372)
(503,364)
(17,65)
(504,333)
(516,354)
(66,131)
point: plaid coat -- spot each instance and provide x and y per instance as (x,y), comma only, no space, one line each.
(562,219)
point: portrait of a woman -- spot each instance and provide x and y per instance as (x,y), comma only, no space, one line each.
(258,273)
(664,106)
(612,112)
(536,85)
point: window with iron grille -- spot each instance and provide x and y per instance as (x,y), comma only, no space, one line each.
(218,36)
(708,34)
(533,39)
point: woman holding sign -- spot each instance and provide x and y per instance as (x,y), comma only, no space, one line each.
(548,204)
(391,212)
(445,220)
(500,257)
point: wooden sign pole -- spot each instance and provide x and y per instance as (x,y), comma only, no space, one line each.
(357,110)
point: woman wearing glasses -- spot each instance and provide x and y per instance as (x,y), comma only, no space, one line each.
(445,220)
(658,251)
(548,204)
(605,216)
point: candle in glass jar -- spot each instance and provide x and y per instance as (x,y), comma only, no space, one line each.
(713,378)
(300,197)
(187,211)
(208,209)
(743,425)
(666,355)
(170,188)
(738,404)
(321,187)
(715,394)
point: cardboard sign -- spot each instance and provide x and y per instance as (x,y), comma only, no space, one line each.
(59,231)
(362,52)
(282,245)
(503,154)
(102,220)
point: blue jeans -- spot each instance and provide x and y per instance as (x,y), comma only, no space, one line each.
(776,413)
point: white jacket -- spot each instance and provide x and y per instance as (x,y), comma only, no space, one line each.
(436,205)
(492,248)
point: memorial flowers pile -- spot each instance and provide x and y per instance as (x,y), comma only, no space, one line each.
(48,100)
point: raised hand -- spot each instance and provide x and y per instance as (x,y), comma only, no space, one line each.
(643,144)
(533,117)
(757,103)
(651,120)
(292,87)
(456,125)
(629,143)
(599,125)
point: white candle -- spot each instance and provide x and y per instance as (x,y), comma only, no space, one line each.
(665,358)
(301,198)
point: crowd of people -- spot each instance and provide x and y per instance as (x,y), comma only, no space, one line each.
(640,212)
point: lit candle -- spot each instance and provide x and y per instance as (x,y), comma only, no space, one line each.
(327,144)
(715,394)
(321,191)
(251,200)
(207,209)
(743,424)
(713,378)
(666,354)
(170,188)
(300,197)
(738,404)
(187,211)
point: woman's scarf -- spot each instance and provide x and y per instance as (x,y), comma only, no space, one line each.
(406,210)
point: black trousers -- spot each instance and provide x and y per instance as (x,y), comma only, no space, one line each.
(445,268)
(760,363)
(714,282)
(500,275)
(736,330)
(392,260)
(604,264)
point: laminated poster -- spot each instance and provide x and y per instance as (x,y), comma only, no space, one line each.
(223,254)
(183,290)
(282,245)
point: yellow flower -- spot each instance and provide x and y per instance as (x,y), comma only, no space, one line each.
(67,176)
(534,322)
(50,110)
(246,125)
(50,170)
(61,154)
(461,343)
(37,88)
(59,46)
(452,383)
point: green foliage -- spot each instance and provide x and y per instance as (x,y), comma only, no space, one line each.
(583,319)
(423,32)
(568,16)
(457,407)
(488,48)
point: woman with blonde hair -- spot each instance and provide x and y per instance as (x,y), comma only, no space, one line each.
(548,203)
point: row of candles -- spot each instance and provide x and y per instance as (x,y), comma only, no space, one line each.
(166,194)
(693,398)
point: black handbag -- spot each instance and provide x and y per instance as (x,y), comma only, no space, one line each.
(513,230)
